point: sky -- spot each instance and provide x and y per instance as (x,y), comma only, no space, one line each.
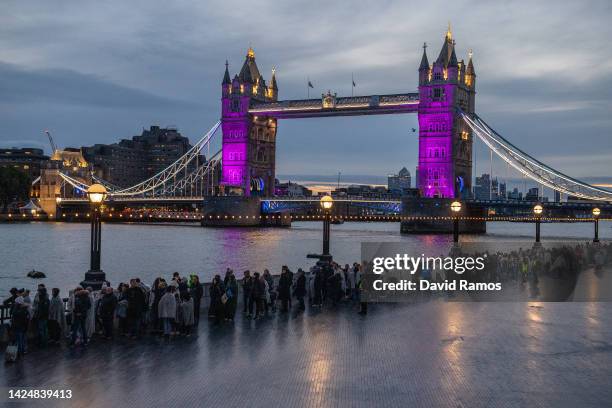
(97,72)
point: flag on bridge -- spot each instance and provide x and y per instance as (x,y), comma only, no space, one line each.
(309,85)
(354,84)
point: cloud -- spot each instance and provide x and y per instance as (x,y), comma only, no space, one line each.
(99,71)
(19,85)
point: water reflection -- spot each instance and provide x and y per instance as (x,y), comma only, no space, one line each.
(62,250)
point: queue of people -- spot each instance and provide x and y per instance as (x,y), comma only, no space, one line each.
(170,308)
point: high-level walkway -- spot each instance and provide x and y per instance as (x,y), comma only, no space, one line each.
(433,353)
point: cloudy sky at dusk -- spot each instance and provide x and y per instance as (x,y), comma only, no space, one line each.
(96,72)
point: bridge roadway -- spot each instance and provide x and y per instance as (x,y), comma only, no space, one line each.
(330,105)
(390,206)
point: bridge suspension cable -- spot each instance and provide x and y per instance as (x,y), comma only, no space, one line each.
(170,173)
(531,167)
(176,178)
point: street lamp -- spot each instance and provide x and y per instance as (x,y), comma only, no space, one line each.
(95,277)
(327,202)
(537,210)
(596,212)
(58,202)
(455,208)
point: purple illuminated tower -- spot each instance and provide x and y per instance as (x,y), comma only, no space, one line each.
(445,141)
(249,142)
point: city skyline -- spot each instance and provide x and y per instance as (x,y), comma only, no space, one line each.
(170,75)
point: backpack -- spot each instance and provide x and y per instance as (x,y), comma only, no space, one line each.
(10,354)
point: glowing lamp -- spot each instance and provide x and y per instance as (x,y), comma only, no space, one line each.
(596,212)
(96,193)
(327,202)
(537,209)
(455,206)
(58,200)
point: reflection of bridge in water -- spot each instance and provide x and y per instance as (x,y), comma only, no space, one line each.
(244,169)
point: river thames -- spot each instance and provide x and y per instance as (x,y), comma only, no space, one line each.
(61,250)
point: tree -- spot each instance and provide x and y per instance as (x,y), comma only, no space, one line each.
(14,186)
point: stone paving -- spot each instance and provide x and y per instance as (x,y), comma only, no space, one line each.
(431,354)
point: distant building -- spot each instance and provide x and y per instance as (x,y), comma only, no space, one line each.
(482,186)
(290,189)
(533,194)
(133,160)
(487,189)
(27,160)
(397,183)
(515,194)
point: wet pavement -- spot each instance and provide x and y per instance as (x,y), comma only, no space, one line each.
(400,355)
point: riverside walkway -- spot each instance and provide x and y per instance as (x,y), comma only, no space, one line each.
(432,353)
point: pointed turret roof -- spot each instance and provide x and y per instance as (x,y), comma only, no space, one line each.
(448,49)
(470,66)
(273,80)
(249,71)
(424,61)
(453,58)
(226,76)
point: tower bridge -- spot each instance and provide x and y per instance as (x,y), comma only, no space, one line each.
(447,88)
(241,176)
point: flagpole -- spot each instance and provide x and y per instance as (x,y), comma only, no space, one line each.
(352,85)
(308,87)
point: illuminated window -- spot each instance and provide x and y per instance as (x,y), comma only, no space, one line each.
(464,135)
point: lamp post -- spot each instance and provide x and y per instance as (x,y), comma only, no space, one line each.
(95,276)
(596,212)
(537,210)
(58,201)
(327,202)
(456,209)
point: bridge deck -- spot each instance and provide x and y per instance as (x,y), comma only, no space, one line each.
(341,106)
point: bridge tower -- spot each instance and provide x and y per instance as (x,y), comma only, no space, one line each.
(445,141)
(249,141)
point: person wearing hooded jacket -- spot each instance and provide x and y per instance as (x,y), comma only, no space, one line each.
(166,310)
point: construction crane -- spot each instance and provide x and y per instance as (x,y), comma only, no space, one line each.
(53,146)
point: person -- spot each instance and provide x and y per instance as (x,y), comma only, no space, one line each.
(106,311)
(27,300)
(258,295)
(271,295)
(247,288)
(319,287)
(19,324)
(231,291)
(300,289)
(10,301)
(41,314)
(82,304)
(217,293)
(57,316)
(156,294)
(90,321)
(197,291)
(187,313)
(363,310)
(284,288)
(122,307)
(136,305)
(167,310)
